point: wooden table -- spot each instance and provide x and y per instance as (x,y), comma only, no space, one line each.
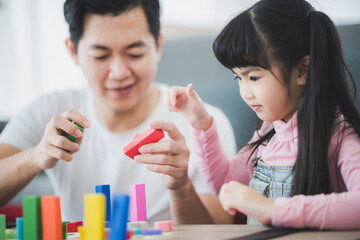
(214,232)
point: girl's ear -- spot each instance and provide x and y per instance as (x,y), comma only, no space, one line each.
(303,68)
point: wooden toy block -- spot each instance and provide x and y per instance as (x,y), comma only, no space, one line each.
(165,226)
(32,218)
(120,214)
(10,234)
(64,229)
(105,189)
(2,226)
(51,217)
(149,136)
(107,224)
(152,231)
(137,225)
(129,234)
(20,228)
(71,137)
(82,231)
(138,202)
(94,209)
(73,226)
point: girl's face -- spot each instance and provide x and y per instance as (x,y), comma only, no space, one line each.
(268,95)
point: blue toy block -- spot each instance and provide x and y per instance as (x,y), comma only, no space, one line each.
(20,228)
(105,189)
(120,214)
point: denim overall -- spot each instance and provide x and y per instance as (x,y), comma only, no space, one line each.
(274,181)
(271,181)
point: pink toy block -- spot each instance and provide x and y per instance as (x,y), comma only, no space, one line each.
(165,226)
(138,202)
(149,136)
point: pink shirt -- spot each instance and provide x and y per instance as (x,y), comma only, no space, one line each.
(331,211)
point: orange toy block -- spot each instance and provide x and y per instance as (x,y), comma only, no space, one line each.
(149,136)
(51,217)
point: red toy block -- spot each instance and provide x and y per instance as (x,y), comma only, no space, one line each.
(73,226)
(149,136)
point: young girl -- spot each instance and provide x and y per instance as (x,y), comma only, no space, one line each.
(302,167)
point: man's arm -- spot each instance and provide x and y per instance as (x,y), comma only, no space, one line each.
(187,207)
(17,169)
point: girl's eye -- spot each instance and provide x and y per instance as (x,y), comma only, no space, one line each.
(254,78)
(237,78)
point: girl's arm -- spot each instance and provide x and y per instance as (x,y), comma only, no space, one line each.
(328,211)
(215,165)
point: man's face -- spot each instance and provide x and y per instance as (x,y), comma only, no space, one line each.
(119,58)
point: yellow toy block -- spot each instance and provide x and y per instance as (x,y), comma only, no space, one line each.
(94,209)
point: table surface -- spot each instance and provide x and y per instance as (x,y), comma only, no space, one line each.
(215,232)
(234,231)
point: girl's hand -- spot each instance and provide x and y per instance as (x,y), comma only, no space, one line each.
(189,104)
(236,196)
(169,157)
(54,144)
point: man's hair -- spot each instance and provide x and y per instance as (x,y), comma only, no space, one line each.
(76,10)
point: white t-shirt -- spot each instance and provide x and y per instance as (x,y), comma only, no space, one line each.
(101,159)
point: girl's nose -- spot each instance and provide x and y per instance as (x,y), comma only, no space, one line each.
(246,91)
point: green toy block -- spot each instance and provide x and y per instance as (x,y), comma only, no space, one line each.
(71,137)
(11,234)
(32,218)
(64,229)
(2,226)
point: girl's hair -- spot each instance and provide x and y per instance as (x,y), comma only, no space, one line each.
(283,32)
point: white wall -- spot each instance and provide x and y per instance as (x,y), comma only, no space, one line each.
(33,58)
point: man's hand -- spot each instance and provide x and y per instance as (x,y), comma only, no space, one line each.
(54,144)
(169,157)
(236,196)
(190,105)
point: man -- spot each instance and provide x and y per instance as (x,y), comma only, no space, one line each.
(117,44)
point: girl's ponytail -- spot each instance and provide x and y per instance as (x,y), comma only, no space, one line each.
(326,95)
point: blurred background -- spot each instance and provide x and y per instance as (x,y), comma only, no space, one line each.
(34,60)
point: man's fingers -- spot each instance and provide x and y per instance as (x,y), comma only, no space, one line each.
(136,134)
(159,159)
(169,127)
(165,169)
(59,153)
(63,143)
(62,124)
(167,146)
